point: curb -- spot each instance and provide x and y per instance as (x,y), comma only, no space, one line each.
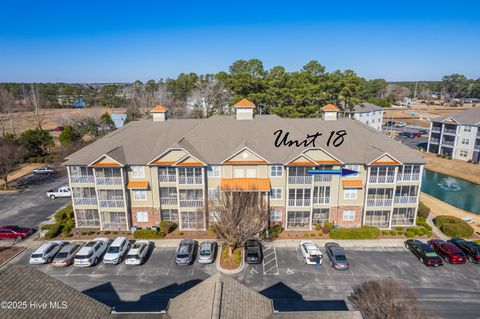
(227,271)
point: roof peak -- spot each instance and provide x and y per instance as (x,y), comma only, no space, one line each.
(159,108)
(244,103)
(330,107)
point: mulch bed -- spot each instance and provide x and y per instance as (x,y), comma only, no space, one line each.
(229,262)
(8,252)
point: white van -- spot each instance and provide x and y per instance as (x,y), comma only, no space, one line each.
(116,251)
(45,253)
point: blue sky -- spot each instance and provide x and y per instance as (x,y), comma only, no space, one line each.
(119,41)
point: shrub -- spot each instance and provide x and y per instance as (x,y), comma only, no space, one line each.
(445,219)
(398,228)
(181,233)
(327,227)
(379,102)
(393,233)
(409,234)
(306,235)
(90,233)
(457,230)
(385,232)
(400,233)
(148,234)
(115,233)
(107,232)
(54,231)
(47,226)
(68,235)
(83,233)
(275,230)
(318,227)
(364,232)
(423,210)
(167,227)
(423,223)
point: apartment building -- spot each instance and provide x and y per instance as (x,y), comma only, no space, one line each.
(170,169)
(456,135)
(368,113)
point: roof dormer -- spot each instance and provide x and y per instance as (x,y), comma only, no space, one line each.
(159,113)
(330,112)
(244,110)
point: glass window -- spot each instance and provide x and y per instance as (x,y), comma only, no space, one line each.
(192,220)
(142,217)
(348,215)
(298,220)
(140,195)
(214,170)
(377,218)
(276,171)
(350,193)
(320,216)
(170,215)
(353,168)
(114,220)
(276,215)
(465,141)
(138,172)
(87,218)
(467,128)
(276,193)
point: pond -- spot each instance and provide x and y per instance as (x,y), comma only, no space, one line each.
(454,191)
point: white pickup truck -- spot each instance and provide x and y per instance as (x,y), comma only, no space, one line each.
(63,191)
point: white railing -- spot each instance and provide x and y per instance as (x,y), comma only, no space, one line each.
(168,201)
(436,129)
(379,202)
(449,131)
(191,203)
(405,199)
(381,179)
(408,177)
(81,179)
(434,140)
(167,178)
(85,201)
(321,200)
(300,179)
(450,143)
(299,202)
(110,203)
(190,180)
(322,178)
(109,181)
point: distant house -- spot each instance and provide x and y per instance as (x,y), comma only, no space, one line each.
(367,113)
(78,103)
(118,119)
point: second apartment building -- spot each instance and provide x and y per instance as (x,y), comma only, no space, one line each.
(169,169)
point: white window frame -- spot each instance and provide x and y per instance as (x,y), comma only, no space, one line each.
(275,169)
(214,171)
(272,197)
(463,153)
(350,193)
(142,217)
(348,215)
(275,215)
(138,171)
(139,195)
(249,171)
(465,141)
(467,129)
(353,167)
(236,172)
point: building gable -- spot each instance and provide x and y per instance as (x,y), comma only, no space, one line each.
(245,156)
(385,159)
(302,160)
(189,160)
(322,157)
(169,157)
(105,161)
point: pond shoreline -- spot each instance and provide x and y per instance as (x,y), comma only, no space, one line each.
(455,168)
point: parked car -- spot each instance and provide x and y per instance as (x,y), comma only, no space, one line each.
(413,135)
(470,248)
(63,191)
(423,132)
(400,124)
(424,253)
(91,252)
(336,254)
(206,252)
(448,251)
(65,255)
(405,135)
(389,123)
(310,252)
(43,170)
(138,252)
(253,251)
(46,252)
(185,252)
(15,232)
(117,250)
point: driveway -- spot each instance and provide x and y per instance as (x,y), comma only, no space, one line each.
(30,207)
(450,291)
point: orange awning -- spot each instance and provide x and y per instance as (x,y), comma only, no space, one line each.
(190,164)
(138,185)
(386,163)
(326,162)
(301,164)
(355,183)
(246,162)
(245,184)
(163,163)
(105,164)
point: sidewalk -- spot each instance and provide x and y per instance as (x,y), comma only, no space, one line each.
(435,229)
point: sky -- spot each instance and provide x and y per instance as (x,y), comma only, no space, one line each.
(123,41)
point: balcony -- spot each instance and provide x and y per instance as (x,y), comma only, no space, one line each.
(110,203)
(300,179)
(450,131)
(82,179)
(85,201)
(381,202)
(168,201)
(109,180)
(191,203)
(321,200)
(448,143)
(405,199)
(167,178)
(434,140)
(190,180)
(322,178)
(381,179)
(299,202)
(437,129)
(408,177)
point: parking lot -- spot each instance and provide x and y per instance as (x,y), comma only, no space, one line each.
(449,291)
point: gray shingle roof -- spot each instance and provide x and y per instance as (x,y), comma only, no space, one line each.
(366,107)
(24,283)
(467,117)
(214,139)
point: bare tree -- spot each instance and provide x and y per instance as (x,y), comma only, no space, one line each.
(7,110)
(387,299)
(10,152)
(211,96)
(240,216)
(31,100)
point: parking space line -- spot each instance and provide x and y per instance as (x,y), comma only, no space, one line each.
(269,258)
(170,265)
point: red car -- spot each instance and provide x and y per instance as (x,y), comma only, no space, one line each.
(448,251)
(14,232)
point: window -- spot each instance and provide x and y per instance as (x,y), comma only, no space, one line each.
(377,218)
(251,172)
(213,193)
(239,173)
(348,215)
(353,168)
(276,193)
(214,170)
(465,141)
(321,195)
(114,221)
(87,218)
(242,173)
(275,215)
(142,217)
(170,215)
(276,171)
(463,153)
(192,220)
(138,172)
(298,219)
(467,128)
(350,193)
(320,216)
(139,195)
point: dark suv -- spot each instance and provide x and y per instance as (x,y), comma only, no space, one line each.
(253,252)
(424,253)
(470,248)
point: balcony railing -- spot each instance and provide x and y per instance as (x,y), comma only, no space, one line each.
(109,181)
(168,201)
(449,131)
(436,129)
(381,179)
(321,200)
(110,203)
(167,178)
(434,140)
(405,199)
(299,202)
(408,177)
(379,202)
(450,143)
(191,203)
(190,180)
(85,201)
(81,179)
(322,178)
(300,179)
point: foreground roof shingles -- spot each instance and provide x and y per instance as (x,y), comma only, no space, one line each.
(215,139)
(467,117)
